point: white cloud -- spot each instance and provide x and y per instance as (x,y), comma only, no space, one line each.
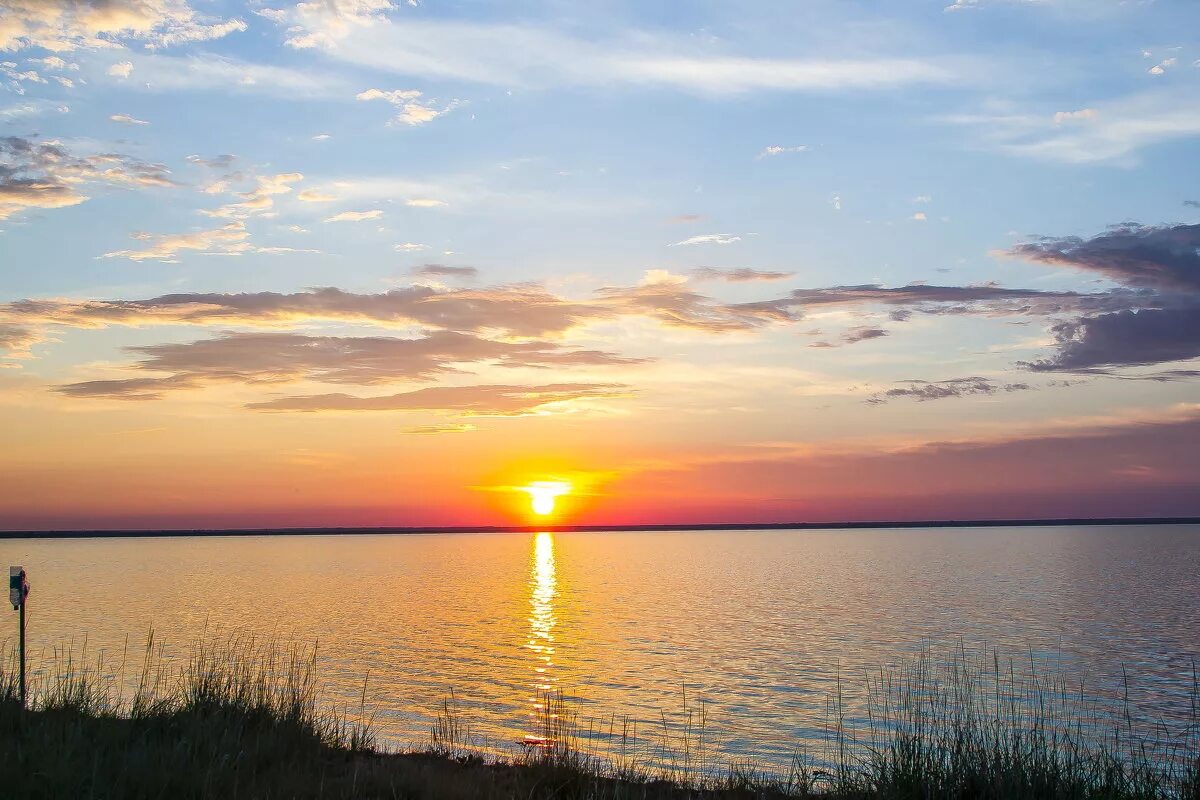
(1161,67)
(775,150)
(128,120)
(324,23)
(708,238)
(260,200)
(966,5)
(1082,115)
(229,239)
(322,137)
(510,55)
(425,202)
(55,64)
(160,73)
(64,25)
(923,199)
(1115,129)
(919,216)
(411,110)
(355,216)
(315,196)
(410,247)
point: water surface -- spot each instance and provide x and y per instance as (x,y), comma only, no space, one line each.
(757,625)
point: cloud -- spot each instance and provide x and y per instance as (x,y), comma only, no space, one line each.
(122,69)
(740,275)
(855,335)
(425,202)
(16,340)
(513,55)
(775,150)
(259,200)
(128,120)
(862,334)
(919,217)
(286,357)
(32,108)
(940,390)
(55,64)
(355,216)
(315,196)
(1162,67)
(410,247)
(314,24)
(432,430)
(1192,203)
(445,271)
(1109,131)
(229,239)
(680,219)
(708,238)
(667,299)
(411,110)
(1082,115)
(1125,338)
(986,299)
(522,311)
(468,401)
(45,175)
(63,25)
(1165,257)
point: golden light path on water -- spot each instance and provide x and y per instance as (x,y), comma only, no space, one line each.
(543,588)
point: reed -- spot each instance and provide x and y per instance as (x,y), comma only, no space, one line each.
(243,717)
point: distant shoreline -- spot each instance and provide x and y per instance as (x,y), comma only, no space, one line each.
(721,526)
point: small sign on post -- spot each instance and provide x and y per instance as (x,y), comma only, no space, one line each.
(18,591)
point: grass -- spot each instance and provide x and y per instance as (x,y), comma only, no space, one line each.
(242,718)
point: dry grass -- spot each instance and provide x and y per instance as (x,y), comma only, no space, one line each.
(243,718)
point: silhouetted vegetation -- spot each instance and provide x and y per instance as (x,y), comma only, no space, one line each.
(242,718)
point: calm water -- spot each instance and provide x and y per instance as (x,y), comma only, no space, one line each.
(758,625)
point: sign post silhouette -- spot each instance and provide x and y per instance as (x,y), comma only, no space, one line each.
(18,590)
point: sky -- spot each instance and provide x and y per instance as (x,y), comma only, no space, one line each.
(376,263)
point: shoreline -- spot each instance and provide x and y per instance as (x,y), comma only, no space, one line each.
(135,533)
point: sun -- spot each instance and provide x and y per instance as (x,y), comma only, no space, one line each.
(544,494)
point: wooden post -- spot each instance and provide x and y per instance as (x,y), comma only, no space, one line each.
(22,653)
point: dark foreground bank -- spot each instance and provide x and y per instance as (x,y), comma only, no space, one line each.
(244,721)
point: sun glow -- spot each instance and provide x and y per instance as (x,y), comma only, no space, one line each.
(543,495)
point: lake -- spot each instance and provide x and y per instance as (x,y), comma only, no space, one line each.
(758,626)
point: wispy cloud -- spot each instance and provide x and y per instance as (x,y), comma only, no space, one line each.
(410,108)
(521,55)
(355,216)
(466,401)
(941,390)
(739,275)
(128,120)
(777,150)
(1113,130)
(708,238)
(36,174)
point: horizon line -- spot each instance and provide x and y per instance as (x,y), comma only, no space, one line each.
(119,533)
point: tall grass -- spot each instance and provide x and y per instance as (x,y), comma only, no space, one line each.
(242,717)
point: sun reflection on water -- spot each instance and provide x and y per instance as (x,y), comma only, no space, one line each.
(543,588)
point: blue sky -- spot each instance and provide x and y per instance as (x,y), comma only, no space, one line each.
(687,183)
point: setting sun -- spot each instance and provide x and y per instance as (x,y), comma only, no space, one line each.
(543,494)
